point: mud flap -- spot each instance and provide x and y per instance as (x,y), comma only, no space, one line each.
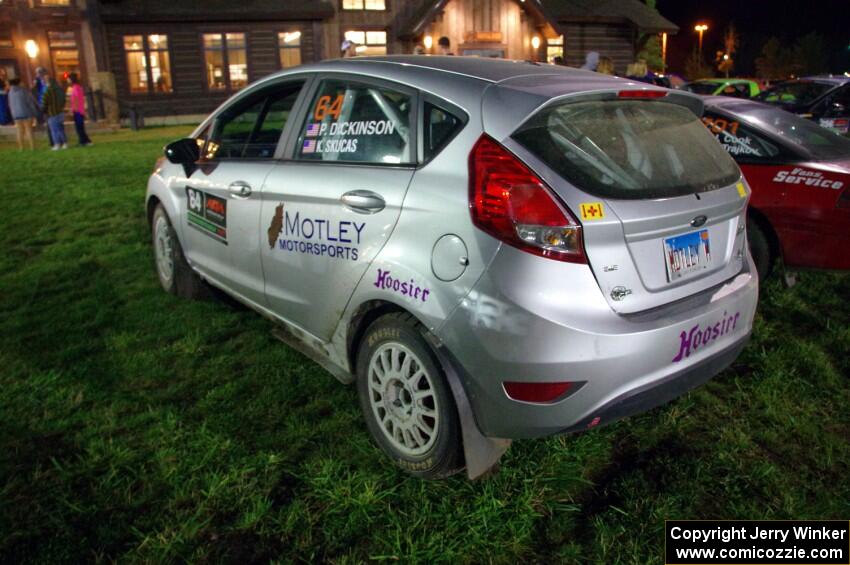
(482,453)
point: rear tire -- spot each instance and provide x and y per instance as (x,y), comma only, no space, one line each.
(759,249)
(173,271)
(406,400)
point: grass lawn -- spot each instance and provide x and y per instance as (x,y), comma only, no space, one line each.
(140,427)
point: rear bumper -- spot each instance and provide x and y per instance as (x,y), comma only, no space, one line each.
(660,392)
(536,320)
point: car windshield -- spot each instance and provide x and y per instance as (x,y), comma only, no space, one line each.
(801,92)
(629,148)
(820,143)
(701,87)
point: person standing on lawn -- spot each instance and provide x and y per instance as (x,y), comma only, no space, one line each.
(24,110)
(54,107)
(5,118)
(78,107)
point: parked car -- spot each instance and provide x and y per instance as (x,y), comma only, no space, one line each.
(799,173)
(667,80)
(825,100)
(491,249)
(734,87)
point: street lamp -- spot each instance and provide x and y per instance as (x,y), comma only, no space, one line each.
(700,28)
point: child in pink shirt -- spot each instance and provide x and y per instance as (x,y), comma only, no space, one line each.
(78,107)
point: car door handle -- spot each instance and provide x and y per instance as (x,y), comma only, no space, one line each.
(363,201)
(239,189)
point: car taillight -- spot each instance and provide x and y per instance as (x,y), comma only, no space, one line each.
(512,204)
(540,393)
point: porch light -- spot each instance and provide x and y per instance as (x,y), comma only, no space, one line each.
(428,42)
(31,47)
(535,42)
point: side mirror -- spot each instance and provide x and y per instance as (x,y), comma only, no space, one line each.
(183,151)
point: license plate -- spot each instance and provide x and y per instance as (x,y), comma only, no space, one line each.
(686,254)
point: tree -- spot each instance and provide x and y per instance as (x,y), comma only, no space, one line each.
(810,54)
(726,58)
(695,68)
(775,61)
(649,47)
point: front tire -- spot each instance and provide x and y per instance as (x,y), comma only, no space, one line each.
(173,271)
(406,400)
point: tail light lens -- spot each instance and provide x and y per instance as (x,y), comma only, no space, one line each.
(539,393)
(641,94)
(512,204)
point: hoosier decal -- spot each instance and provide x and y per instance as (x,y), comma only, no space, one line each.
(207,214)
(701,337)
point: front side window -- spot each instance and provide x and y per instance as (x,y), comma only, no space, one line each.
(628,148)
(368,42)
(148,64)
(289,44)
(813,140)
(252,129)
(799,92)
(359,123)
(225,61)
(741,142)
(364,4)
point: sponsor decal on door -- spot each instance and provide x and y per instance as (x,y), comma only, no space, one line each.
(207,214)
(291,232)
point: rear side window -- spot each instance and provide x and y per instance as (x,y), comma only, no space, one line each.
(359,123)
(439,127)
(628,148)
(738,140)
(251,130)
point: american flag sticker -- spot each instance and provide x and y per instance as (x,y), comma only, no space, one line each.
(309,146)
(312,130)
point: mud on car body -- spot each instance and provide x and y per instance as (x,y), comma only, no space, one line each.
(491,250)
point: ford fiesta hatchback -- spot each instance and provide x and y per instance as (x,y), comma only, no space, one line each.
(491,250)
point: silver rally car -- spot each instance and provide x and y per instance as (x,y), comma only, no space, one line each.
(490,249)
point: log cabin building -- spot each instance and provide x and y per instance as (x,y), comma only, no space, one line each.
(181,58)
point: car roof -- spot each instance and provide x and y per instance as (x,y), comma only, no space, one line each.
(734,104)
(481,68)
(828,79)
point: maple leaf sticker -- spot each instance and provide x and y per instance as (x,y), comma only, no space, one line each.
(276,226)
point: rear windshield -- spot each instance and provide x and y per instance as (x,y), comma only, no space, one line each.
(794,92)
(701,87)
(821,144)
(629,148)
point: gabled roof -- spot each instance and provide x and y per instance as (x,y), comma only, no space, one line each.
(213,10)
(635,12)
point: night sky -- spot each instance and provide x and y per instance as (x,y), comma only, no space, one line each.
(756,21)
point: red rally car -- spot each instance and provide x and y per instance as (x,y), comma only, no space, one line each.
(799,173)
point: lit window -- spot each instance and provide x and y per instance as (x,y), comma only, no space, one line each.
(289,43)
(368,42)
(225,61)
(554,48)
(5,36)
(148,63)
(55,2)
(364,4)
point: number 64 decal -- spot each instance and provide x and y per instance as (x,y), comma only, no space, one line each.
(324,107)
